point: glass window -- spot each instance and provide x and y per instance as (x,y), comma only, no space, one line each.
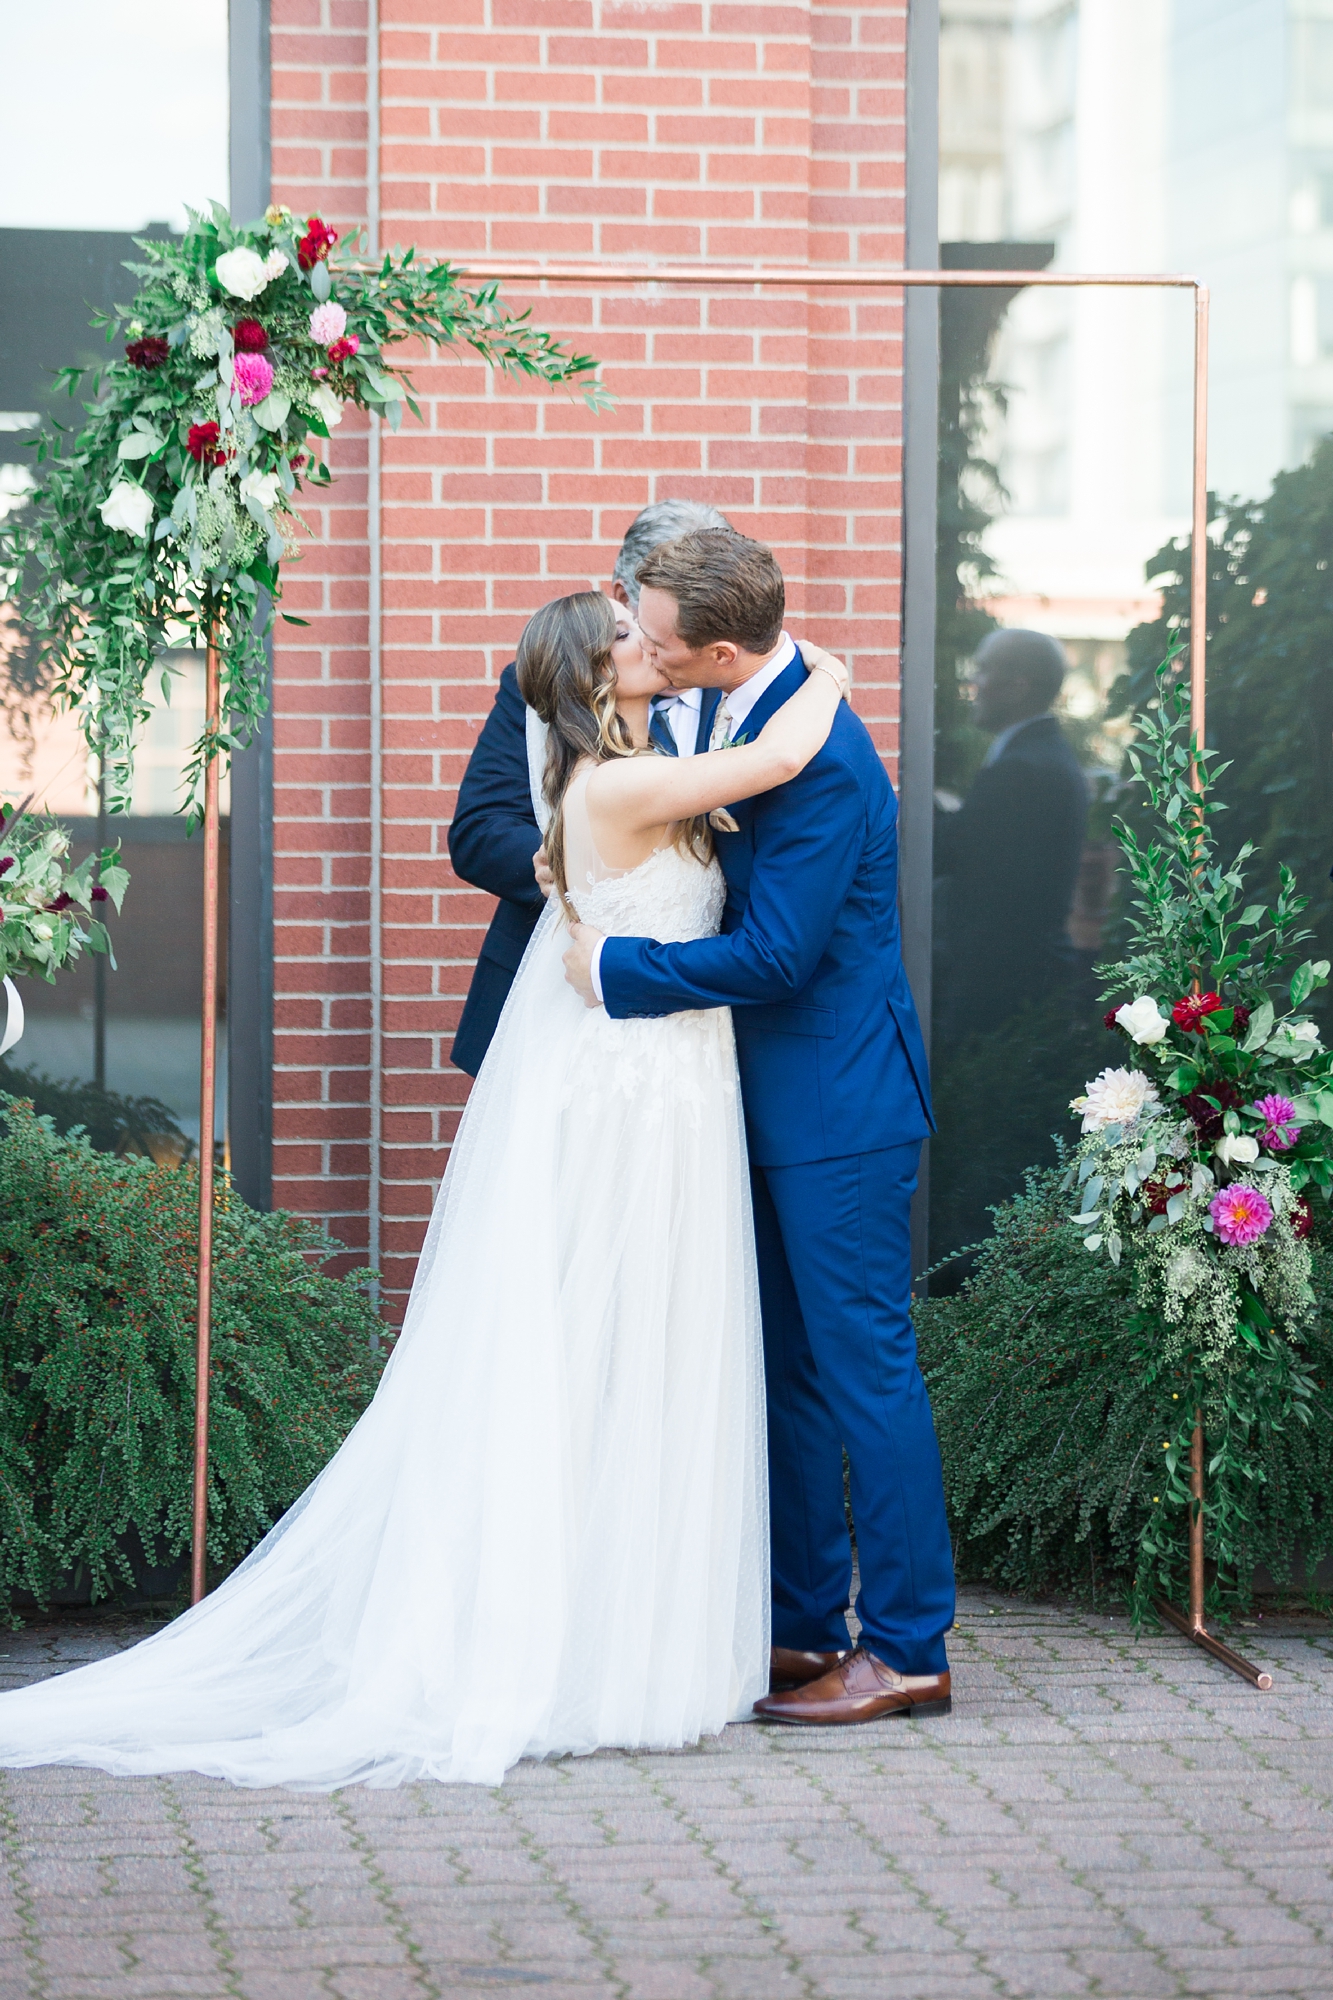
(1115,135)
(116,119)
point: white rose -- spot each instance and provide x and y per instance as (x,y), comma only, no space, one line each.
(263,487)
(1142,1022)
(1303,1031)
(1116,1097)
(323,399)
(1236,1149)
(243,273)
(127,507)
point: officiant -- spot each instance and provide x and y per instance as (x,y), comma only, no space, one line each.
(495,834)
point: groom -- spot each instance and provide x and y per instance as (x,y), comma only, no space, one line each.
(833,1075)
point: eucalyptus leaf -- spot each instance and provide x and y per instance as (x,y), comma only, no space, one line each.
(320,283)
(1261,1027)
(273,412)
(136,446)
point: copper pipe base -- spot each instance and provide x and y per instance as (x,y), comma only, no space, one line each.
(1205,1640)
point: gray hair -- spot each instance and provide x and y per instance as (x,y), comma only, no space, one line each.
(664,521)
(1014,653)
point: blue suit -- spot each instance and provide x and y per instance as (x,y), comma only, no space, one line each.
(837,1102)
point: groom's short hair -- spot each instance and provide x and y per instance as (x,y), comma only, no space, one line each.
(725,587)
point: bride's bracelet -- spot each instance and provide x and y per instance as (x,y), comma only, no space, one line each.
(842,681)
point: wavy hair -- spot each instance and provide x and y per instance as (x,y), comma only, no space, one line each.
(565,673)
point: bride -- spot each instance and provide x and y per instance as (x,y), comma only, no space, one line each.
(549,1530)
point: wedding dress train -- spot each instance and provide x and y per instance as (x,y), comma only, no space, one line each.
(549,1530)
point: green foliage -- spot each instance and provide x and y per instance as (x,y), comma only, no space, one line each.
(45,907)
(97,1308)
(1052,1409)
(165,516)
(1270,689)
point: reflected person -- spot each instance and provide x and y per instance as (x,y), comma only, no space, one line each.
(1011,852)
(495,832)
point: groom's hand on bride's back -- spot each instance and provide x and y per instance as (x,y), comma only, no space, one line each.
(578,962)
(541,868)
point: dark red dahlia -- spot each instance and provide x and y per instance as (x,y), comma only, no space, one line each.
(150,352)
(316,244)
(1302,1219)
(1207,1118)
(99,894)
(1156,1195)
(1189,1012)
(62,901)
(1240,1019)
(6,863)
(249,337)
(202,444)
(1109,1019)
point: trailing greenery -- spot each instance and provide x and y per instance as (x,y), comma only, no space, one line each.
(1049,1394)
(1270,690)
(97,1311)
(166,515)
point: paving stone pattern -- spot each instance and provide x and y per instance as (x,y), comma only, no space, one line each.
(1100,1815)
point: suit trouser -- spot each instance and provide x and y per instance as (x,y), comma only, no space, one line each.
(834,1248)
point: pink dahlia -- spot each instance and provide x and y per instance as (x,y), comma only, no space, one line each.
(1280,1127)
(252,374)
(1240,1214)
(328,323)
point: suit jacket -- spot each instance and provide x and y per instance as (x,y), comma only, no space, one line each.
(491,844)
(1013,853)
(831,1055)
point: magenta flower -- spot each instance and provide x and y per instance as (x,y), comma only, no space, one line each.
(1279,1116)
(252,374)
(1240,1214)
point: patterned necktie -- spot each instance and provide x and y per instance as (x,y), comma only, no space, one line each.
(720,734)
(660,731)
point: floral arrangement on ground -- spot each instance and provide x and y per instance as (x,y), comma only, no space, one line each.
(1203,1163)
(97,1328)
(164,519)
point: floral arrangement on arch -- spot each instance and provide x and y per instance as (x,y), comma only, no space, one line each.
(46,907)
(166,517)
(1203,1153)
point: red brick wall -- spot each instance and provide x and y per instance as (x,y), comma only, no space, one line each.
(555,129)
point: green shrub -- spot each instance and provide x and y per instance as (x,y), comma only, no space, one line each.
(1048,1404)
(97,1329)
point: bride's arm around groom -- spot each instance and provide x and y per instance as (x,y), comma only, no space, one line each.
(836,1092)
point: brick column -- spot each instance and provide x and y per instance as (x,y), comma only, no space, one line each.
(550,129)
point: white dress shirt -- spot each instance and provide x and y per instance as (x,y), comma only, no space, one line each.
(739,704)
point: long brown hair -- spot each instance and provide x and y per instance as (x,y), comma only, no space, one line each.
(565,673)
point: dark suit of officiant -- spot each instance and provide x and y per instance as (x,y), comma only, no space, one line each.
(491,844)
(1012,857)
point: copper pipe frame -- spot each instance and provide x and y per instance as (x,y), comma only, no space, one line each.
(807,277)
(208,1054)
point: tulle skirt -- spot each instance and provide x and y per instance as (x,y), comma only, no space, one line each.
(549,1530)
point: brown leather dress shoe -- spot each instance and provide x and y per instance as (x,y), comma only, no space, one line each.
(788,1668)
(859,1688)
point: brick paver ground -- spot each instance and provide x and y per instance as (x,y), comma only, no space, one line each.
(1100,1815)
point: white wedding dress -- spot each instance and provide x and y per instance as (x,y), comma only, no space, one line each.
(549,1531)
